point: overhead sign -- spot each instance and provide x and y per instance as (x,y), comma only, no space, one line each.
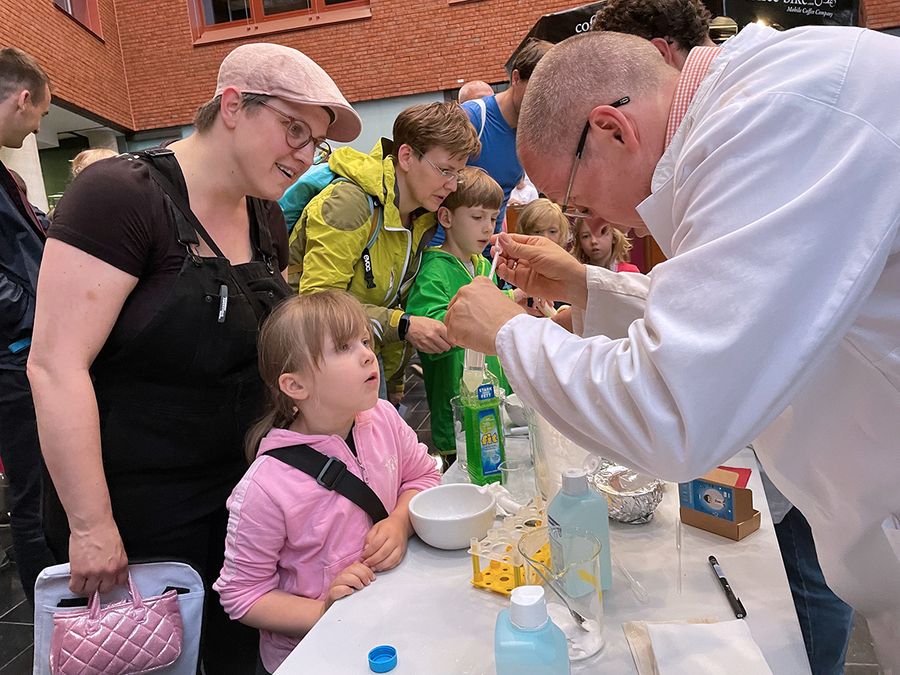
(793,13)
(558,26)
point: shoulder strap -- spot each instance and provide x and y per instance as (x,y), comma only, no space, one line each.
(331,473)
(482,106)
(152,158)
(376,211)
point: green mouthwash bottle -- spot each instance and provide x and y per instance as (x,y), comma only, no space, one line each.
(480,401)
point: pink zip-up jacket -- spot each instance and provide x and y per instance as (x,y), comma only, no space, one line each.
(286,532)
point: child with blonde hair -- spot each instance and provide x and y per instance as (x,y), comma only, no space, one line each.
(295,546)
(599,243)
(543,218)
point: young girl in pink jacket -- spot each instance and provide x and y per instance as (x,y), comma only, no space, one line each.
(294,547)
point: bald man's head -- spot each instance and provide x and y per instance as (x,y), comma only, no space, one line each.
(615,92)
(474,89)
(578,75)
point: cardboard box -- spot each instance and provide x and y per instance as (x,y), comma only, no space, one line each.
(716,504)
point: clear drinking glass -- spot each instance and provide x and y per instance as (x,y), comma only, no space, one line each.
(459,433)
(517,476)
(566,562)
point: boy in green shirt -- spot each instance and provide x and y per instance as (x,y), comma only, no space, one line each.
(468,215)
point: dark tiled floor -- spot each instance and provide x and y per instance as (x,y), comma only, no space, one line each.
(16,619)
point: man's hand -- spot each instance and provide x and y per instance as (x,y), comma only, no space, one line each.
(427,335)
(355,577)
(385,543)
(477,313)
(540,268)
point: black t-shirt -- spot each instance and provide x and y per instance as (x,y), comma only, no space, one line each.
(115,212)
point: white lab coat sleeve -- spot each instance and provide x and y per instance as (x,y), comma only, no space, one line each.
(615,299)
(783,212)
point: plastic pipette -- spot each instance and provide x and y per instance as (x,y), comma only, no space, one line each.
(473,369)
(497,253)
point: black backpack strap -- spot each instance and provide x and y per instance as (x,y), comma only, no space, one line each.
(332,474)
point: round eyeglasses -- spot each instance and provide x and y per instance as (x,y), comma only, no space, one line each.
(449,175)
(298,135)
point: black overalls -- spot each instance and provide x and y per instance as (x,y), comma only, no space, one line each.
(175,404)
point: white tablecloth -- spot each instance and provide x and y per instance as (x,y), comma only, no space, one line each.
(440,624)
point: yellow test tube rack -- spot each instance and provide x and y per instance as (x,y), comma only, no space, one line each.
(497,564)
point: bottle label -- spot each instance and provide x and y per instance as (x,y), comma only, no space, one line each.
(489,438)
(485,392)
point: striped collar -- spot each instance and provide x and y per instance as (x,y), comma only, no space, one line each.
(695,67)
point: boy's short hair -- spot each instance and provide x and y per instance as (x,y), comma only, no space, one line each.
(685,21)
(19,71)
(528,56)
(476,188)
(444,125)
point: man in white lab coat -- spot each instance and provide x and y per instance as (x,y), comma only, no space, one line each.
(767,172)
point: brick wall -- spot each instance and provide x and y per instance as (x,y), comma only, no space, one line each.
(880,14)
(84,70)
(408,46)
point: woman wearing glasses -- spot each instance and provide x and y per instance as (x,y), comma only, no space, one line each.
(159,271)
(365,232)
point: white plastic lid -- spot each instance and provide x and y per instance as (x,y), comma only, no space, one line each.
(528,608)
(574,481)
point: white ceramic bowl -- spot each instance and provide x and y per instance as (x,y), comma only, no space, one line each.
(448,516)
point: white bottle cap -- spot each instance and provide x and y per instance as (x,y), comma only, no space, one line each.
(528,607)
(574,481)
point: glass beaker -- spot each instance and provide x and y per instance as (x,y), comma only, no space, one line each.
(566,562)
(517,476)
(459,433)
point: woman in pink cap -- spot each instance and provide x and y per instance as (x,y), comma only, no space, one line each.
(160,267)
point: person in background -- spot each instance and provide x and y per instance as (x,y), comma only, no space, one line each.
(24,100)
(599,243)
(42,217)
(741,339)
(474,89)
(468,216)
(495,119)
(408,178)
(295,547)
(675,27)
(524,193)
(87,157)
(144,356)
(543,218)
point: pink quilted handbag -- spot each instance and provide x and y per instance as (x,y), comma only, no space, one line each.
(132,636)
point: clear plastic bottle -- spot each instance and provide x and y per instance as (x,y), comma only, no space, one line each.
(577,506)
(480,403)
(526,641)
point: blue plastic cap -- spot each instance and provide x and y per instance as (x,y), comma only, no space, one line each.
(382,659)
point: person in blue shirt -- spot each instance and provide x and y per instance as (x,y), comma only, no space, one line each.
(495,119)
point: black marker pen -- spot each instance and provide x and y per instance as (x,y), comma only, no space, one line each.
(735,603)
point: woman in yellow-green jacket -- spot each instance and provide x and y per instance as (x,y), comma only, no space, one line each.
(366,231)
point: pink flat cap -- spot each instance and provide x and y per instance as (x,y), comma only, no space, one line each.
(276,70)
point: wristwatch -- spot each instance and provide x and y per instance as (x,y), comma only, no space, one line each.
(403,326)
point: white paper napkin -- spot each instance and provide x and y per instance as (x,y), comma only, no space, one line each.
(706,648)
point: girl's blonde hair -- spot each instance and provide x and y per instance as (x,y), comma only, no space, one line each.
(292,340)
(87,157)
(618,252)
(540,212)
